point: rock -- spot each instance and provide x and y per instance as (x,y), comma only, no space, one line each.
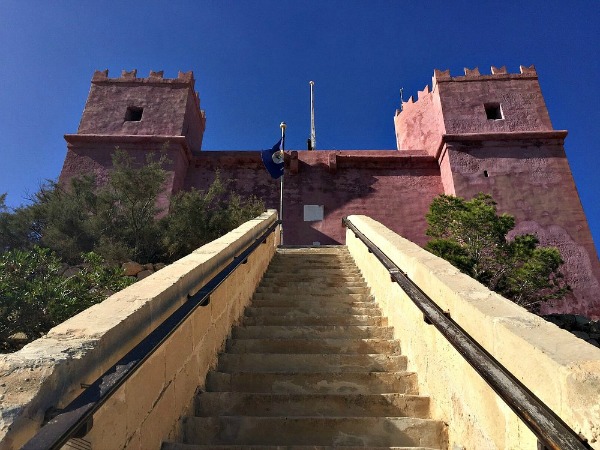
(69,272)
(149,266)
(131,268)
(18,336)
(144,273)
(63,267)
(159,266)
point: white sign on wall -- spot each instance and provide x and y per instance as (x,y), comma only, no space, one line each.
(313,213)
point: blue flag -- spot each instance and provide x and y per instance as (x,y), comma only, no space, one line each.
(273,160)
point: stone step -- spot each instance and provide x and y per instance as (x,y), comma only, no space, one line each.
(307,363)
(342,252)
(341,256)
(314,345)
(310,310)
(302,296)
(332,263)
(318,277)
(315,269)
(364,383)
(305,282)
(313,289)
(320,250)
(365,431)
(314,256)
(365,320)
(313,366)
(312,332)
(180,446)
(294,302)
(296,405)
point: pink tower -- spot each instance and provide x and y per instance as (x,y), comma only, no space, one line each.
(492,134)
(137,115)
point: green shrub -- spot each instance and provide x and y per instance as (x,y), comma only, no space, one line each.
(35,295)
(197,217)
(472,236)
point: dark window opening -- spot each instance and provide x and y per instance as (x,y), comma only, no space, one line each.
(493,111)
(485,173)
(133,114)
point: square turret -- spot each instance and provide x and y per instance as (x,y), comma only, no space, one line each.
(153,106)
(501,102)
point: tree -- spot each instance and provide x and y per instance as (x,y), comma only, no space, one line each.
(471,235)
(95,227)
(127,217)
(197,217)
(120,220)
(117,220)
(18,229)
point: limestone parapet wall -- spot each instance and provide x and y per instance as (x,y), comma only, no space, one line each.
(562,370)
(144,411)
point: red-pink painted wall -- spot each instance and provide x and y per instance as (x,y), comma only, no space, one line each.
(92,155)
(533,182)
(420,124)
(392,188)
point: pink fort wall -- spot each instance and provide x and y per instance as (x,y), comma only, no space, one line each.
(446,144)
(394,189)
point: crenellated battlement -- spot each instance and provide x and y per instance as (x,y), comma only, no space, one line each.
(425,93)
(444,76)
(498,101)
(101,76)
(440,76)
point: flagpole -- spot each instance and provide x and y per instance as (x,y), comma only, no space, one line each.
(282,125)
(313,135)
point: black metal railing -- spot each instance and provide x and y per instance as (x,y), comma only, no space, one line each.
(76,419)
(551,430)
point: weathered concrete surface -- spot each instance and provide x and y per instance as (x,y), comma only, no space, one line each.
(562,370)
(270,405)
(361,383)
(337,431)
(48,372)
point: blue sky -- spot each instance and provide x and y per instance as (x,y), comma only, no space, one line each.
(253,60)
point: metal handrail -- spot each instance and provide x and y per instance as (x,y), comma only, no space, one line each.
(76,418)
(550,429)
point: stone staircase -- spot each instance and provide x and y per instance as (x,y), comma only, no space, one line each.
(313,365)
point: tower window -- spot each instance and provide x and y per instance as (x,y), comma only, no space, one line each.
(493,111)
(133,114)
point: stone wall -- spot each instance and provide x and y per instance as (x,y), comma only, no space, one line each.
(49,372)
(562,370)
